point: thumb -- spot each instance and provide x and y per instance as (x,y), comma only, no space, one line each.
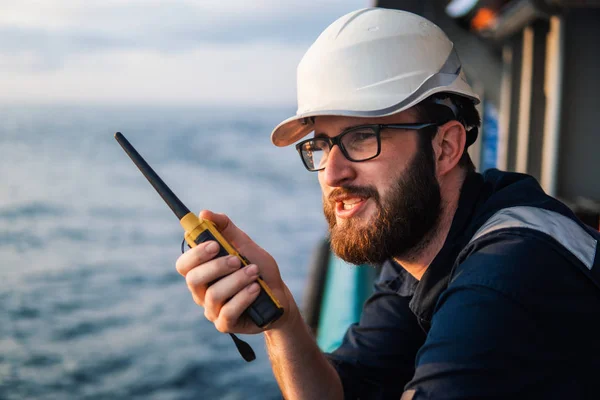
(227,228)
(238,238)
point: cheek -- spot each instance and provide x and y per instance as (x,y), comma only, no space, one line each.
(387,178)
(384,188)
(394,164)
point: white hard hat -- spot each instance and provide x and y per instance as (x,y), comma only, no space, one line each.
(372,62)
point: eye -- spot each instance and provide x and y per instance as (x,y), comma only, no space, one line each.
(359,138)
(364,135)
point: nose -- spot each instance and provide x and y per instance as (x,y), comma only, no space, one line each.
(338,169)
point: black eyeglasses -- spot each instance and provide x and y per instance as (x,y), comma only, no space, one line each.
(359,143)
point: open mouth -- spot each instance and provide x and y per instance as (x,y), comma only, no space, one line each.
(348,207)
(352,201)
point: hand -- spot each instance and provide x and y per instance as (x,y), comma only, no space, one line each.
(225,290)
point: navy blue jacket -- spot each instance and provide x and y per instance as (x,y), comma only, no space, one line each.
(509,308)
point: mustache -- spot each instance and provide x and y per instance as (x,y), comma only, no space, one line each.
(358,191)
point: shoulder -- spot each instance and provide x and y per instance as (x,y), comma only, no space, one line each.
(519,231)
(525,240)
(514,310)
(522,264)
(505,254)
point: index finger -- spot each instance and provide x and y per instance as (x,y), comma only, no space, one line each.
(195,256)
(243,243)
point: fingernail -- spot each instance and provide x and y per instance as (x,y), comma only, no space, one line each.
(233,262)
(212,247)
(253,288)
(251,270)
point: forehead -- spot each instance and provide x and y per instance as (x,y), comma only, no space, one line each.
(331,125)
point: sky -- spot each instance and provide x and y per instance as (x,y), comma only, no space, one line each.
(158,51)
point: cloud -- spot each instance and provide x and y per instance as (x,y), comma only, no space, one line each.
(67,50)
(254,74)
(162,25)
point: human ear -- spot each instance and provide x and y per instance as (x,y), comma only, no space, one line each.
(450,145)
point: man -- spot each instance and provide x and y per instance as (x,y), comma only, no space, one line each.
(489,288)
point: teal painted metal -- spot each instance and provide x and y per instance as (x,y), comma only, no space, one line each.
(346,289)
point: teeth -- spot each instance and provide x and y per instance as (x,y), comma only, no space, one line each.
(349,204)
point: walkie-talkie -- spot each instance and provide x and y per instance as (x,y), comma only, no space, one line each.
(265,309)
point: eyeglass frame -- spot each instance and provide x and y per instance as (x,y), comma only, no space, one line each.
(337,140)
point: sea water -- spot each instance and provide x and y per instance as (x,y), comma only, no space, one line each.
(91,305)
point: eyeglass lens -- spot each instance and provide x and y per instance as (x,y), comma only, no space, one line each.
(357,145)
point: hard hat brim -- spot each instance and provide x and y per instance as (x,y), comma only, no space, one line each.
(298,126)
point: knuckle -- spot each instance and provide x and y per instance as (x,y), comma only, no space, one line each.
(191,280)
(182,265)
(219,326)
(210,299)
(197,300)
(222,325)
(227,317)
